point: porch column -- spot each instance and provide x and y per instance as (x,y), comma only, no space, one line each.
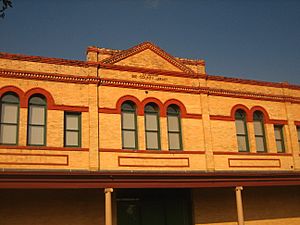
(108,206)
(239,205)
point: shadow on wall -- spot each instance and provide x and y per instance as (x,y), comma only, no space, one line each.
(51,207)
(217,205)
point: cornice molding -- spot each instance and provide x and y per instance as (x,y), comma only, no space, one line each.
(42,59)
(49,77)
(150,86)
(252,82)
(78,63)
(150,71)
(144,85)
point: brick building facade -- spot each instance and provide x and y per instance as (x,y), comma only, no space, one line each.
(138,137)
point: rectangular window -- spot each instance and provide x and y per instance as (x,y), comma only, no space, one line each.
(9,124)
(242,137)
(152,132)
(278,130)
(37,125)
(259,136)
(72,129)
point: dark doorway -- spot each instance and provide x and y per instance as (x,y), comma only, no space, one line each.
(153,207)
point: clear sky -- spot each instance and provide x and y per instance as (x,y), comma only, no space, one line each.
(252,39)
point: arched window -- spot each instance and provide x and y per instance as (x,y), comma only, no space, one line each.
(129,126)
(36,132)
(259,131)
(152,127)
(9,119)
(174,128)
(241,131)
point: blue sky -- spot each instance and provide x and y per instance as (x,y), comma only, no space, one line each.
(252,39)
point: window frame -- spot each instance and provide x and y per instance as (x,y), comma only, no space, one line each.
(156,113)
(35,125)
(179,132)
(79,130)
(18,117)
(260,118)
(135,130)
(243,118)
(281,140)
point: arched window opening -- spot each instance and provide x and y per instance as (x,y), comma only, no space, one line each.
(152,127)
(129,126)
(37,112)
(10,106)
(241,131)
(259,131)
(174,128)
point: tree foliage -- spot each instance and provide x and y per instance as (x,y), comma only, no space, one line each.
(5,5)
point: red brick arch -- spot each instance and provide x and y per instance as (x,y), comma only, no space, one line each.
(264,112)
(153,100)
(131,98)
(242,107)
(41,91)
(14,90)
(174,102)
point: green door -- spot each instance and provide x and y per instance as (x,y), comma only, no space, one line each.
(153,207)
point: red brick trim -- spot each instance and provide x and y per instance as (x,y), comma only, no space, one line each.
(152,151)
(108,111)
(59,61)
(41,91)
(154,165)
(49,77)
(279,122)
(253,166)
(15,90)
(135,100)
(157,102)
(252,82)
(104,51)
(251,153)
(297,123)
(35,163)
(143,46)
(141,104)
(42,59)
(151,86)
(242,107)
(44,148)
(193,62)
(249,115)
(150,71)
(197,90)
(24,97)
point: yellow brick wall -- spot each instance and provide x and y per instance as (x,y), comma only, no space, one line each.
(52,207)
(217,206)
(103,130)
